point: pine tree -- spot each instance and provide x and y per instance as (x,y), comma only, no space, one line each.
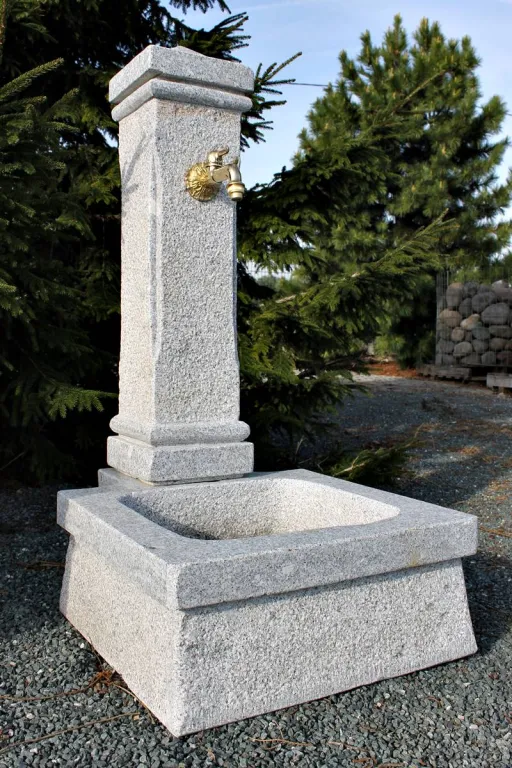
(60,214)
(443,155)
(300,339)
(43,348)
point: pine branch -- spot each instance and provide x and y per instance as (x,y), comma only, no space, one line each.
(221,41)
(265,82)
(63,398)
(199,5)
(21,83)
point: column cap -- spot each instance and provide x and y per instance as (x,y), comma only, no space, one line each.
(180,65)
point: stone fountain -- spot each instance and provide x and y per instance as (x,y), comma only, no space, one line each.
(217,593)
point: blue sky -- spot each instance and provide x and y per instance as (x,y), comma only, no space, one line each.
(322,28)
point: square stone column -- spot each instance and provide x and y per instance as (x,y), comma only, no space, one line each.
(179,386)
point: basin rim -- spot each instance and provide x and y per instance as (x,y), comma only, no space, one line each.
(188,573)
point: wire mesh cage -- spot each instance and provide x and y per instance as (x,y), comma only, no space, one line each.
(473,322)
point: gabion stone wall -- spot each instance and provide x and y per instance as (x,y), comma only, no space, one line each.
(474,324)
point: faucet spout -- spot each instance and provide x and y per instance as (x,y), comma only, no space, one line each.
(230,173)
(204,179)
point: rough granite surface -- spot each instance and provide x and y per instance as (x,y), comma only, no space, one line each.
(225,600)
(179,371)
(180,463)
(200,668)
(179,64)
(142,532)
(184,93)
(262,592)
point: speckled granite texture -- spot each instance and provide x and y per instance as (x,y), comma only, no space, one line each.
(178,415)
(213,630)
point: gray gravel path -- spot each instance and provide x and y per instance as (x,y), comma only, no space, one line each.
(458,714)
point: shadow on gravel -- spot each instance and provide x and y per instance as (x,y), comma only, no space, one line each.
(29,510)
(489,597)
(456,473)
(31,572)
(24,614)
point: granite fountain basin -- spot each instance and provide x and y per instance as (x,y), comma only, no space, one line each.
(223,600)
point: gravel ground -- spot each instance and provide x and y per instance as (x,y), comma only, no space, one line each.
(457,714)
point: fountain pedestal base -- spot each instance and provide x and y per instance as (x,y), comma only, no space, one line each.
(208,625)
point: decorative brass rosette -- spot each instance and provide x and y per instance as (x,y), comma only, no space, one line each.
(199,182)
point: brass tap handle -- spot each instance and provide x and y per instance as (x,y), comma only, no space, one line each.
(215,157)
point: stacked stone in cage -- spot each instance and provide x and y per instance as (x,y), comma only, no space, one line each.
(474,325)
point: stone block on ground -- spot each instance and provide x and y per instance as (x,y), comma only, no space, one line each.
(501,380)
(217,601)
(311,600)
(452,371)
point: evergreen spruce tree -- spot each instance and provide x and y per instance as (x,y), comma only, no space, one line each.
(60,215)
(44,350)
(300,339)
(327,218)
(442,156)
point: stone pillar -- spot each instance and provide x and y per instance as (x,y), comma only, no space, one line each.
(179,385)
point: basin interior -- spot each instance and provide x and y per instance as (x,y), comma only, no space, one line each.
(255,507)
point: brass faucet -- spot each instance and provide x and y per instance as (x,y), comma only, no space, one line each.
(203,180)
